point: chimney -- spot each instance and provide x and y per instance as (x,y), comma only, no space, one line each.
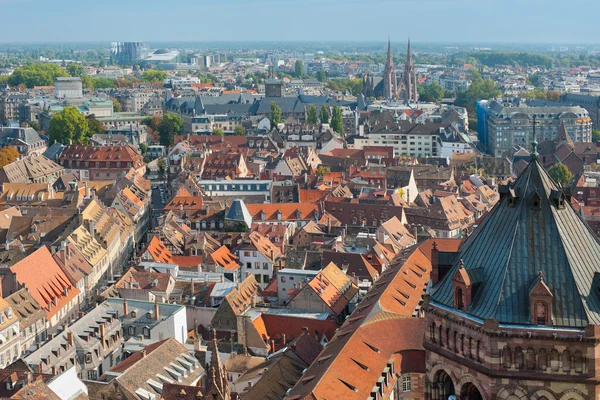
(125,307)
(51,336)
(192,286)
(38,345)
(156,313)
(65,326)
(283,339)
(273,345)
(143,353)
(435,267)
(80,314)
(70,338)
(28,377)
(103,334)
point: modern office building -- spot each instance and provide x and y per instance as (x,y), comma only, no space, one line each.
(501,127)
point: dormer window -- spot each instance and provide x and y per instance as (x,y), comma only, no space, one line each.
(278,215)
(540,302)
(462,288)
(536,201)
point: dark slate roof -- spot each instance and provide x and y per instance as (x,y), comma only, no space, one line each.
(513,244)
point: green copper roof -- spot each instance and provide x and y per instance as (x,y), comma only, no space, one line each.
(521,237)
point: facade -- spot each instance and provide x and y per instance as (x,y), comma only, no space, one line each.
(236,187)
(500,128)
(10,349)
(258,257)
(68,88)
(128,53)
(103,162)
(26,140)
(515,312)
(32,319)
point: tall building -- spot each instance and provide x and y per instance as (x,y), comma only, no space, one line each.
(515,313)
(390,90)
(408,87)
(128,53)
(502,127)
(68,88)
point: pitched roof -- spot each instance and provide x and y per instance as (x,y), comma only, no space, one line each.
(46,282)
(265,247)
(224,258)
(289,211)
(158,251)
(533,228)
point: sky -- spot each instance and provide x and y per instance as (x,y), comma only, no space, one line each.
(460,21)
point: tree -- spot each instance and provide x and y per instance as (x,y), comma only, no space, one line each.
(153,75)
(322,75)
(38,74)
(169,126)
(561,174)
(96,127)
(324,115)
(34,125)
(275,115)
(218,132)
(162,166)
(8,154)
(239,131)
(116,105)
(323,170)
(143,148)
(87,82)
(480,89)
(337,122)
(104,83)
(69,126)
(75,70)
(299,68)
(595,135)
(311,114)
(432,93)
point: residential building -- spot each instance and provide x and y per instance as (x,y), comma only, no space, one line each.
(152,320)
(95,255)
(48,285)
(502,127)
(92,344)
(259,257)
(10,330)
(290,280)
(32,169)
(26,140)
(32,319)
(102,162)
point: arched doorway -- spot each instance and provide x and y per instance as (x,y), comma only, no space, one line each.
(442,386)
(470,392)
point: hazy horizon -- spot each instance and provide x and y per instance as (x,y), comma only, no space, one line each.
(328,21)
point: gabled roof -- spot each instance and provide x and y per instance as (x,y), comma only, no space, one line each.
(158,251)
(533,228)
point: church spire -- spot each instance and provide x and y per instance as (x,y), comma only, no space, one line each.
(389,75)
(390,60)
(217,387)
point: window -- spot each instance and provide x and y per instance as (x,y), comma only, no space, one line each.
(406,384)
(283,279)
(265,266)
(131,330)
(88,358)
(147,332)
(541,311)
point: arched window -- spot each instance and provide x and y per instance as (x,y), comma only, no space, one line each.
(566,361)
(448,337)
(541,312)
(478,350)
(554,360)
(542,359)
(518,357)
(455,342)
(459,298)
(530,361)
(462,344)
(432,332)
(470,347)
(440,336)
(506,357)
(578,361)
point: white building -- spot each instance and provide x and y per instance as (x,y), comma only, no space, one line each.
(290,279)
(68,88)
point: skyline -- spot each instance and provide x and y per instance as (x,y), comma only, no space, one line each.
(461,21)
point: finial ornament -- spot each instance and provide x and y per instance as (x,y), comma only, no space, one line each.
(541,276)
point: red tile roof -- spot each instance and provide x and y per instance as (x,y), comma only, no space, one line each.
(312,195)
(224,258)
(159,252)
(289,211)
(45,281)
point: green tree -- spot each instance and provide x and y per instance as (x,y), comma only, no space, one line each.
(116,105)
(162,166)
(322,75)
(154,75)
(69,126)
(323,170)
(312,117)
(431,93)
(104,83)
(324,115)
(480,89)
(218,132)
(87,82)
(75,70)
(3,79)
(561,174)
(96,127)
(595,135)
(299,68)
(169,126)
(337,123)
(275,115)
(38,74)
(143,148)
(239,131)
(34,125)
